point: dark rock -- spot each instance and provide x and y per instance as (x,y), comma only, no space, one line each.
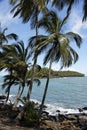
(49,129)
(62,117)
(52,118)
(80,110)
(58,111)
(6,107)
(84,108)
(71,117)
(85,128)
(44,113)
(2,97)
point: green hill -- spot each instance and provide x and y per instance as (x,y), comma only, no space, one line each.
(44,72)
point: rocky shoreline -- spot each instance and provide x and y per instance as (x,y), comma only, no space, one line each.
(50,122)
(68,122)
(74,121)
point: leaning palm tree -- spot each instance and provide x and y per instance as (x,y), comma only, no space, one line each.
(14,58)
(57,45)
(29,10)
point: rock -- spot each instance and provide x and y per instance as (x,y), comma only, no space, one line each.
(44,113)
(6,107)
(83,117)
(52,118)
(84,108)
(2,97)
(58,111)
(85,128)
(62,117)
(71,117)
(80,110)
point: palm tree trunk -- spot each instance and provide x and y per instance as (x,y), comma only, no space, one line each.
(9,86)
(46,88)
(31,82)
(35,61)
(20,115)
(18,97)
(8,94)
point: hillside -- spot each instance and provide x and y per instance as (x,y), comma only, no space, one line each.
(44,72)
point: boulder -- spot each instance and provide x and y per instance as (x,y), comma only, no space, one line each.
(84,108)
(2,97)
(71,117)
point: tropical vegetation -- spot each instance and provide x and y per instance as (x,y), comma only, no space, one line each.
(43,73)
(15,58)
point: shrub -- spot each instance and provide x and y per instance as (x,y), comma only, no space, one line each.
(31,115)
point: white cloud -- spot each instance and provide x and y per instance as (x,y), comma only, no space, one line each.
(76,24)
(6,18)
(56,67)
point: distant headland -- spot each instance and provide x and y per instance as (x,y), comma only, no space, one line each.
(44,72)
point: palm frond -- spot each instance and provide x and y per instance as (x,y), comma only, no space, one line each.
(12,36)
(48,56)
(74,53)
(76,37)
(85,10)
(37,81)
(38,67)
(13,1)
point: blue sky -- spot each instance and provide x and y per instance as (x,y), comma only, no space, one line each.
(74,24)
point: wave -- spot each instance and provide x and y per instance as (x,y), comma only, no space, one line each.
(52,109)
(55,110)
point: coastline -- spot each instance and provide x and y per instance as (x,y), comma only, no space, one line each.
(50,122)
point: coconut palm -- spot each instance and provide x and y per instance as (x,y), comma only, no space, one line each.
(15,61)
(57,44)
(61,3)
(29,10)
(5,37)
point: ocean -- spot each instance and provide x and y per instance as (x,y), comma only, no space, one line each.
(64,94)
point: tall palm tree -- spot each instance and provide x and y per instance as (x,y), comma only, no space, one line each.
(5,37)
(57,44)
(29,10)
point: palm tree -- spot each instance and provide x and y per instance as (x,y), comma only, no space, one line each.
(14,58)
(62,3)
(29,10)
(5,37)
(57,45)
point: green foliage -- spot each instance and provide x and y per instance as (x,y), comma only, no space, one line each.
(44,73)
(31,115)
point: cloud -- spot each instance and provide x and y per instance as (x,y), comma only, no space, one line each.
(6,18)
(56,67)
(76,25)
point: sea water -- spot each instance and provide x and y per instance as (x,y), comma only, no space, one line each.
(64,94)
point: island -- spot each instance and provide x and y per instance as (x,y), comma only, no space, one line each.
(43,72)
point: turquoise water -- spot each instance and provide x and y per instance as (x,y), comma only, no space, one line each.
(63,92)
(67,92)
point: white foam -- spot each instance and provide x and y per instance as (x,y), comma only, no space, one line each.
(52,108)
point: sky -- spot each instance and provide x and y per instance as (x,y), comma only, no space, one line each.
(24,32)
